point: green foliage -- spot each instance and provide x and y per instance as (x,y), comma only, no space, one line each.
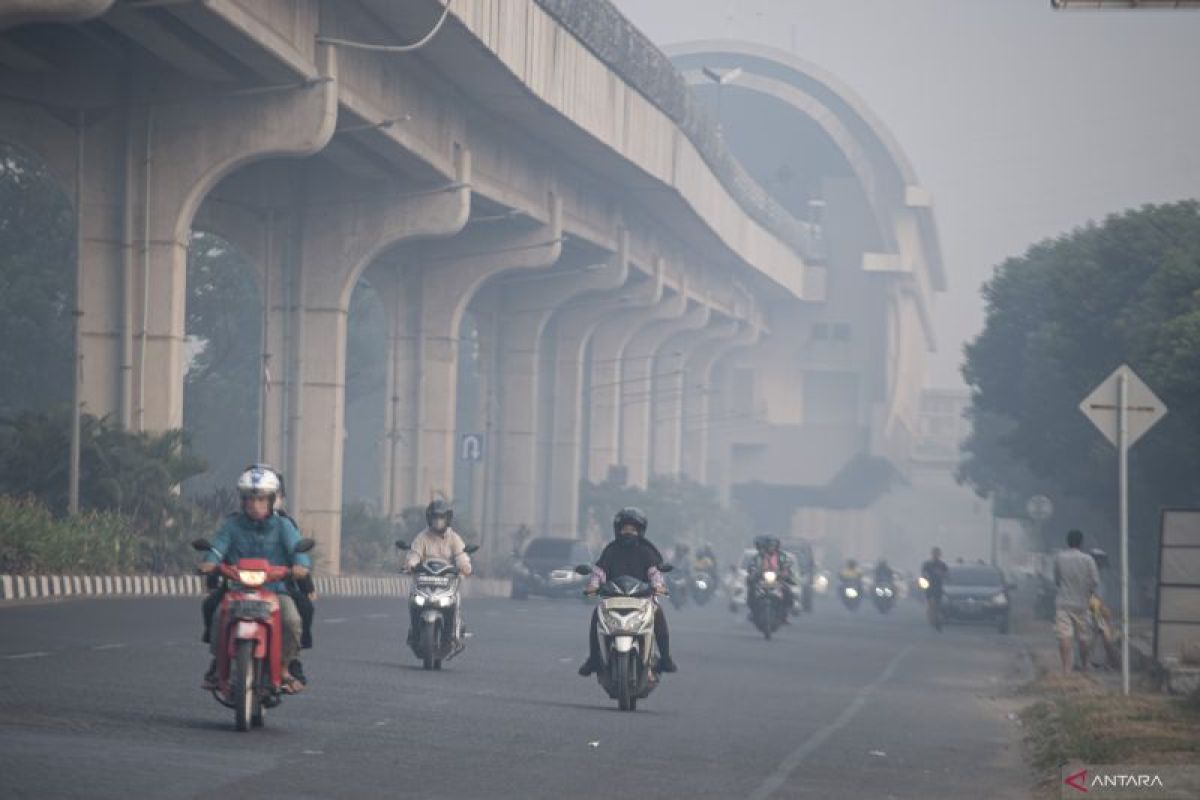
(33,541)
(678,511)
(1059,320)
(37,285)
(129,476)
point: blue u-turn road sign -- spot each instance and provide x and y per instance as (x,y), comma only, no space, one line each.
(470,447)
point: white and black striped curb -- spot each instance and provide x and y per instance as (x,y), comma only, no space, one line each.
(27,587)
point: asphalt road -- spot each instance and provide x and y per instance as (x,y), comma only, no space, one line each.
(100,699)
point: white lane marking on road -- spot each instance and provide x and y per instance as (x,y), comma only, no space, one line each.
(22,656)
(777,778)
(113,646)
(335,620)
(377,616)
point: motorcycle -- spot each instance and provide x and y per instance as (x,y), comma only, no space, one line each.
(768,606)
(702,586)
(249,633)
(851,593)
(626,630)
(435,596)
(884,597)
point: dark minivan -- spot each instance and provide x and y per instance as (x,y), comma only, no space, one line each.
(547,567)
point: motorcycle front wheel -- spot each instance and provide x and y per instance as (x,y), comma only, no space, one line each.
(242,685)
(623,675)
(429,643)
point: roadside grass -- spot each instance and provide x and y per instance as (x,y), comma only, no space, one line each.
(1075,720)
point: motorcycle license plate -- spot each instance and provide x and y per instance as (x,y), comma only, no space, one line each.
(250,609)
(624,603)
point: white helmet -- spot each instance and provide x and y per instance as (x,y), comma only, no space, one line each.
(259,480)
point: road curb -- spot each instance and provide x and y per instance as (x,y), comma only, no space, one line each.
(41,587)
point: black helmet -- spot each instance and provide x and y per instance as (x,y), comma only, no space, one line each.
(760,542)
(438,508)
(629,516)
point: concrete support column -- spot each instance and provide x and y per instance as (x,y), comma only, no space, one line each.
(171,159)
(706,452)
(528,304)
(340,234)
(640,383)
(678,394)
(572,330)
(442,282)
(609,341)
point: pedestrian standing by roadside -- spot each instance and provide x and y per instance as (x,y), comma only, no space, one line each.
(1076,577)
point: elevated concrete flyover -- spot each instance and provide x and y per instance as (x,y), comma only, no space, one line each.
(821,412)
(515,140)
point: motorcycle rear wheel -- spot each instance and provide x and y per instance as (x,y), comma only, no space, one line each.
(243,689)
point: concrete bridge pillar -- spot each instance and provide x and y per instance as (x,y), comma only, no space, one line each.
(527,304)
(678,393)
(442,280)
(167,159)
(340,233)
(609,341)
(640,384)
(571,331)
(705,456)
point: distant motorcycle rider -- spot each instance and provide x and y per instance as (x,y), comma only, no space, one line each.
(259,531)
(630,553)
(884,575)
(770,558)
(439,541)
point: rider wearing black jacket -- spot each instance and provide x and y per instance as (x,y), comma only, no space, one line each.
(630,553)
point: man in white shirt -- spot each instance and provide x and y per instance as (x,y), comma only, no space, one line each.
(1076,576)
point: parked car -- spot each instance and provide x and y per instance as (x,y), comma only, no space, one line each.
(547,568)
(976,593)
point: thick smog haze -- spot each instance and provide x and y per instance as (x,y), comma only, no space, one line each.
(1023,122)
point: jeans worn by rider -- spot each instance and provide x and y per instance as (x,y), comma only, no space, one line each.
(446,546)
(274,539)
(638,558)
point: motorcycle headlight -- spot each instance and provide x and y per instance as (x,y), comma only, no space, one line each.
(923,582)
(822,583)
(251,577)
(702,584)
(999,599)
(419,599)
(444,600)
(851,592)
(769,577)
(879,591)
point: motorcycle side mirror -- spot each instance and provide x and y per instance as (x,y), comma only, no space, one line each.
(471,548)
(666,568)
(401,544)
(304,545)
(201,544)
(583,569)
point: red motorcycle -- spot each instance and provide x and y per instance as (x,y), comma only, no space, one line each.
(249,633)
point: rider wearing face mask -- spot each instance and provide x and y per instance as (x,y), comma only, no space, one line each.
(630,553)
(439,541)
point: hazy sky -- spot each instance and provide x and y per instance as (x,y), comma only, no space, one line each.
(1023,122)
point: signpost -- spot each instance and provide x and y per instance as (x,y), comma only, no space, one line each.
(470,447)
(1123,408)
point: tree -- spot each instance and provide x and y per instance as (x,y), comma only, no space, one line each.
(37,285)
(1059,319)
